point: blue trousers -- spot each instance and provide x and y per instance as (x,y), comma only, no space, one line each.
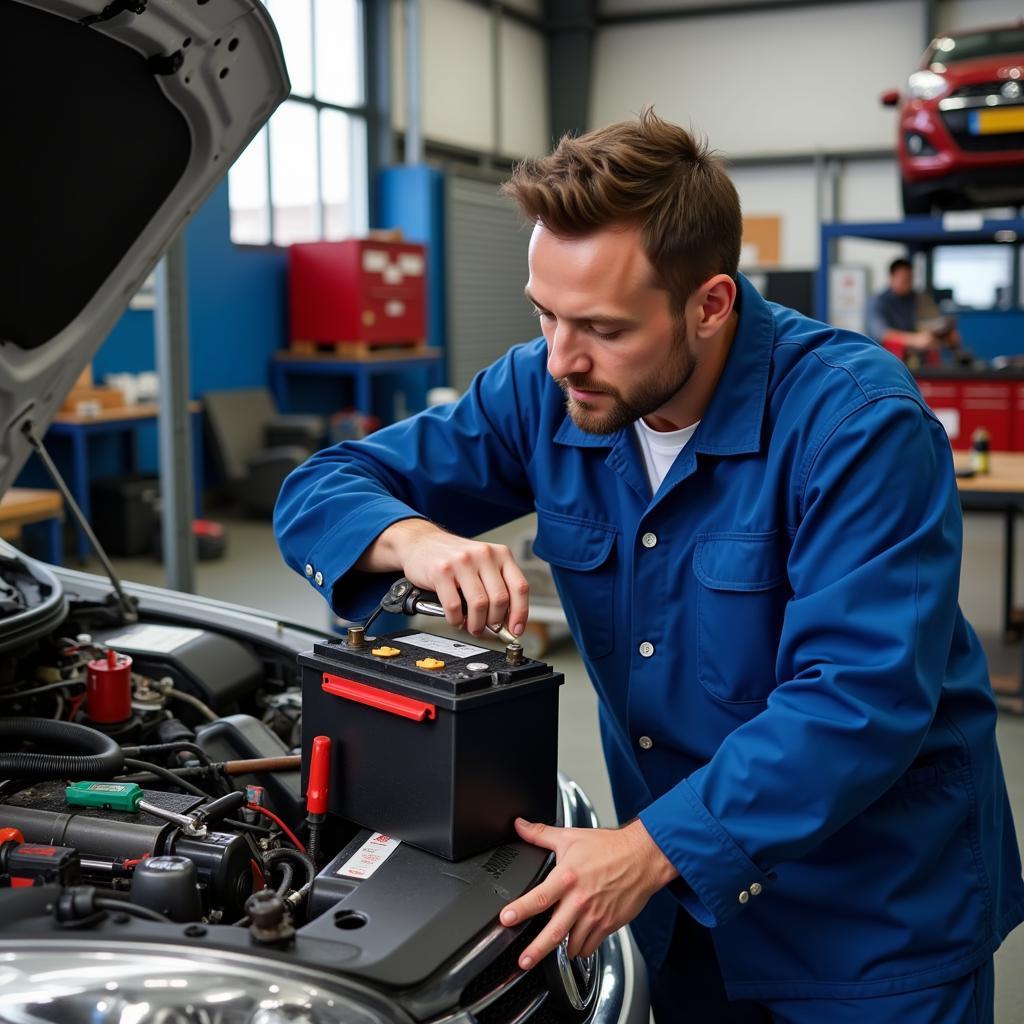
(688,989)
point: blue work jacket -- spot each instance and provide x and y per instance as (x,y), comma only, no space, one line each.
(791,699)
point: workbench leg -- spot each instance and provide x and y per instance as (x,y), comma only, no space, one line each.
(1011,628)
(279,387)
(197,463)
(80,488)
(364,392)
(130,450)
(54,541)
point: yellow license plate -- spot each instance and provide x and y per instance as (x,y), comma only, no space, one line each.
(994,122)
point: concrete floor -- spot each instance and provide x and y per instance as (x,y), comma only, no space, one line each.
(252,574)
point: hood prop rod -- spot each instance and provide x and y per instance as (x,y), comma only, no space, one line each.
(128,609)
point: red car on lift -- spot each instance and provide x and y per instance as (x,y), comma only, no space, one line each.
(961,129)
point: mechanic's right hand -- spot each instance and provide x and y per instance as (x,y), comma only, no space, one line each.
(484,575)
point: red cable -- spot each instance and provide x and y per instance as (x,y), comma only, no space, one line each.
(76,703)
(284,828)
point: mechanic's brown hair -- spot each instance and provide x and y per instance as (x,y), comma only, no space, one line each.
(646,172)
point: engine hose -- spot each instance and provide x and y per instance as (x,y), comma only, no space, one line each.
(286,854)
(287,874)
(91,754)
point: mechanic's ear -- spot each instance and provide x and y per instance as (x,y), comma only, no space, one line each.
(714,301)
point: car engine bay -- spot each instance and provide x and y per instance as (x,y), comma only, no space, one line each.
(154,793)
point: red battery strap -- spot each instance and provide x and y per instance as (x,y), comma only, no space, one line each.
(393,703)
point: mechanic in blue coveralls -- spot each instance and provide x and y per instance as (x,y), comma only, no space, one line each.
(752,521)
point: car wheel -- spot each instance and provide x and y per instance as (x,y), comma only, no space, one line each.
(915,205)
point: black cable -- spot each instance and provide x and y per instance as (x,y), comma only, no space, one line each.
(148,778)
(132,909)
(244,826)
(169,748)
(167,775)
(42,689)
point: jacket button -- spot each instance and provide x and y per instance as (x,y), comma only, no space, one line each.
(646,649)
(309,569)
(744,896)
(318,579)
(645,742)
(649,540)
(755,889)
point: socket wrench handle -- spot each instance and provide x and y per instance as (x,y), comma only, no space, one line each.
(405,599)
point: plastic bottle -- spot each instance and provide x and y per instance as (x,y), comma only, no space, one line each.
(980,448)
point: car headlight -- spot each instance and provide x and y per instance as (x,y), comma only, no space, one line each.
(73,982)
(926,85)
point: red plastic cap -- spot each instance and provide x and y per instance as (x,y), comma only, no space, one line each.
(10,835)
(319,775)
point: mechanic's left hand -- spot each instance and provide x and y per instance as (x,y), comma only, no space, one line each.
(602,879)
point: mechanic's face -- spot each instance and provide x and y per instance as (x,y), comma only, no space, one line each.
(614,346)
(901,281)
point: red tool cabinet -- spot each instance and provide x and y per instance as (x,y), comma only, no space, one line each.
(964,404)
(357,290)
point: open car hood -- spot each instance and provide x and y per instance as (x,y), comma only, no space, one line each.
(120,117)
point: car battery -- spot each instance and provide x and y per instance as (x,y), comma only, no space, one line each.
(357,290)
(435,742)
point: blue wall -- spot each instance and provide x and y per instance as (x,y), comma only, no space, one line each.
(237,309)
(989,333)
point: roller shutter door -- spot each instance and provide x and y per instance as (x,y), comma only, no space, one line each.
(486,244)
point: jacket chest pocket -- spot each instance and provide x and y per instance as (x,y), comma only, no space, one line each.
(742,592)
(582,559)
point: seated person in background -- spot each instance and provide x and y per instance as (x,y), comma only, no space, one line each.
(908,323)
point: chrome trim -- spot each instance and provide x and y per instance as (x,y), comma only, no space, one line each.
(978,102)
(588,967)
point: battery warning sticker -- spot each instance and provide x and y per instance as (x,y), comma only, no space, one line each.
(365,861)
(453,648)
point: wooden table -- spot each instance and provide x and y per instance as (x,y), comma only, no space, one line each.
(1001,491)
(23,506)
(124,421)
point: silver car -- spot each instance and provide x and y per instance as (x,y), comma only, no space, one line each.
(158,860)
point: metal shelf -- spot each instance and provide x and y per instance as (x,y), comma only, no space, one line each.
(917,233)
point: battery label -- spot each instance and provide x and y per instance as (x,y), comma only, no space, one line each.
(453,648)
(365,861)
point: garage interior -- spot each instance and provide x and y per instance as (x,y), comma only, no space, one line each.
(400,131)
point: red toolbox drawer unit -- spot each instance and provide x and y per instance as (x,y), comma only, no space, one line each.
(357,290)
(964,405)
(988,405)
(943,396)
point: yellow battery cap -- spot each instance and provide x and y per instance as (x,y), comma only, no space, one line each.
(430,664)
(386,652)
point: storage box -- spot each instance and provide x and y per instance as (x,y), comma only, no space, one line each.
(357,290)
(94,397)
(442,758)
(125,513)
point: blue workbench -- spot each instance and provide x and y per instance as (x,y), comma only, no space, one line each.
(76,431)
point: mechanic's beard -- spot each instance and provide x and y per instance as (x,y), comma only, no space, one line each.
(648,396)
